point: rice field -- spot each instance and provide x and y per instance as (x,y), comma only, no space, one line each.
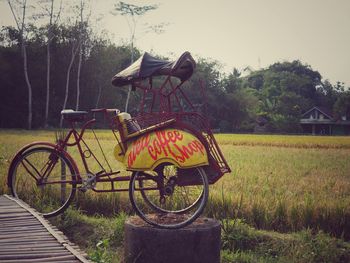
(285,183)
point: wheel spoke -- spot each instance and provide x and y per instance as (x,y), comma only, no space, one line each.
(182,204)
(50,165)
(33,167)
(37,179)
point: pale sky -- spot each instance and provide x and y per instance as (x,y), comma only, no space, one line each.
(253,33)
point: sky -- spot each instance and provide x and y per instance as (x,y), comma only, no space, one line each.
(254,33)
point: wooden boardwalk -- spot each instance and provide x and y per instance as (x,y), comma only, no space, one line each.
(25,236)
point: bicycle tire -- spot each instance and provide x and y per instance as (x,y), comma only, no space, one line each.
(159,209)
(48,198)
(171,217)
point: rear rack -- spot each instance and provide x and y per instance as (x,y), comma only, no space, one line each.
(218,165)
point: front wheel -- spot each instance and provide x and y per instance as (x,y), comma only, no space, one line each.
(43,178)
(169,197)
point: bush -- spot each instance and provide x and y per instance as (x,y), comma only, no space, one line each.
(225,126)
(242,243)
(284,124)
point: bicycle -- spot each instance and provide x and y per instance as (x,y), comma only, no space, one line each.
(171,152)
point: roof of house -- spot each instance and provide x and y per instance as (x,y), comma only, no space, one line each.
(327,113)
(323,110)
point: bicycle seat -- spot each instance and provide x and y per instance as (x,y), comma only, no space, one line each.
(71,115)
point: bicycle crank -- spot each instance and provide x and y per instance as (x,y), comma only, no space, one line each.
(88,183)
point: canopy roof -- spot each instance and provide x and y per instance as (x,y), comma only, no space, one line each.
(147,66)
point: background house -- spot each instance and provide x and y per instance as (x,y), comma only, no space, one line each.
(320,121)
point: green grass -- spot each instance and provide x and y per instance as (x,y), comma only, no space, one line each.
(284,183)
(103,239)
(242,243)
(280,183)
(286,189)
(295,141)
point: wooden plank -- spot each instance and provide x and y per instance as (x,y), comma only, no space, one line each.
(11,211)
(30,255)
(14,216)
(9,206)
(21,228)
(36,249)
(18,216)
(4,200)
(24,233)
(28,225)
(24,223)
(29,238)
(17,240)
(31,244)
(70,258)
(41,260)
(27,217)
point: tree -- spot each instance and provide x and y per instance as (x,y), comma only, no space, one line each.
(103,61)
(233,81)
(133,13)
(82,36)
(341,107)
(20,20)
(326,95)
(279,93)
(53,16)
(74,50)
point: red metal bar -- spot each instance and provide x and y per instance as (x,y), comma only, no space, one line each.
(59,182)
(115,179)
(25,167)
(121,190)
(77,137)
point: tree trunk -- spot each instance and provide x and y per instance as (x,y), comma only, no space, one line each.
(80,53)
(78,78)
(47,82)
(74,52)
(21,28)
(132,61)
(98,96)
(48,67)
(29,86)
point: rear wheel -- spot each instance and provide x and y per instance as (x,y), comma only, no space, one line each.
(166,198)
(43,178)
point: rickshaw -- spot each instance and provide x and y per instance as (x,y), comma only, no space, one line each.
(168,148)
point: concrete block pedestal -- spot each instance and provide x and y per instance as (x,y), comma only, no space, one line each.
(196,243)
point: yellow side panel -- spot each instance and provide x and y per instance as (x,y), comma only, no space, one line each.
(169,145)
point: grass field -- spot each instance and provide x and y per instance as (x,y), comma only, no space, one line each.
(277,182)
(287,188)
(281,183)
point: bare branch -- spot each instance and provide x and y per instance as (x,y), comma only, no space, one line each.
(158,28)
(14,15)
(123,8)
(23,16)
(58,13)
(51,11)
